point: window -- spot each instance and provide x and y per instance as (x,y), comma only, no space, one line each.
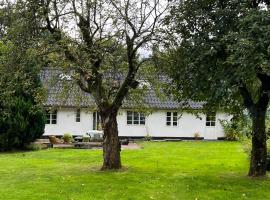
(211,119)
(135,118)
(78,115)
(171,119)
(51,116)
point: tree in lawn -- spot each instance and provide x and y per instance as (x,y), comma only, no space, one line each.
(22,117)
(90,35)
(220,53)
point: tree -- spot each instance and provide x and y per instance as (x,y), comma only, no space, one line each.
(90,35)
(220,54)
(22,117)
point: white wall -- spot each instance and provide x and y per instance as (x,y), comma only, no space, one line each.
(66,122)
(155,125)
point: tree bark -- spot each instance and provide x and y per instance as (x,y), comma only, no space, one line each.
(259,147)
(111,143)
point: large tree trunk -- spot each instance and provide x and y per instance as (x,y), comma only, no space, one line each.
(111,143)
(259,148)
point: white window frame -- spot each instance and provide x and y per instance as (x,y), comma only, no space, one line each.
(171,118)
(210,119)
(132,121)
(51,117)
(78,115)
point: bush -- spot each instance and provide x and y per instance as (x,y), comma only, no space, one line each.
(34,146)
(67,138)
(86,139)
(21,123)
(22,118)
(231,130)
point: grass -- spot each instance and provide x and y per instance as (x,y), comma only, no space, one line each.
(164,170)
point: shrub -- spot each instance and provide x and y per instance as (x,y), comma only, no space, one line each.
(22,123)
(67,138)
(34,146)
(231,130)
(22,118)
(86,139)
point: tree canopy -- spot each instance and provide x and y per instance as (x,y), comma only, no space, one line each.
(98,42)
(22,116)
(219,53)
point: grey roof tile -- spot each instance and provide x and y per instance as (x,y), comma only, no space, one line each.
(70,95)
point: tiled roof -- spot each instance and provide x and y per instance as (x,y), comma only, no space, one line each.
(70,95)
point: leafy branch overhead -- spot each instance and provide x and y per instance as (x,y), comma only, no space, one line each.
(101,40)
(220,54)
(99,43)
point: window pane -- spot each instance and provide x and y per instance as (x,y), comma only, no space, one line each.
(48,120)
(136,122)
(136,116)
(48,115)
(142,118)
(175,119)
(211,119)
(54,117)
(129,117)
(168,118)
(78,115)
(129,113)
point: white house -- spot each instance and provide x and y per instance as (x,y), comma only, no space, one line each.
(164,121)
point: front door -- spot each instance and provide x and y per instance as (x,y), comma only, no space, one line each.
(210,127)
(210,133)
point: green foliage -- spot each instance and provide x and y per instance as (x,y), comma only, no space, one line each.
(240,127)
(231,130)
(22,118)
(86,139)
(217,47)
(21,123)
(67,137)
(34,146)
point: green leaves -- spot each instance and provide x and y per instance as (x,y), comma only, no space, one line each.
(222,45)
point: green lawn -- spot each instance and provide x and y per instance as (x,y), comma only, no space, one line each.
(161,170)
